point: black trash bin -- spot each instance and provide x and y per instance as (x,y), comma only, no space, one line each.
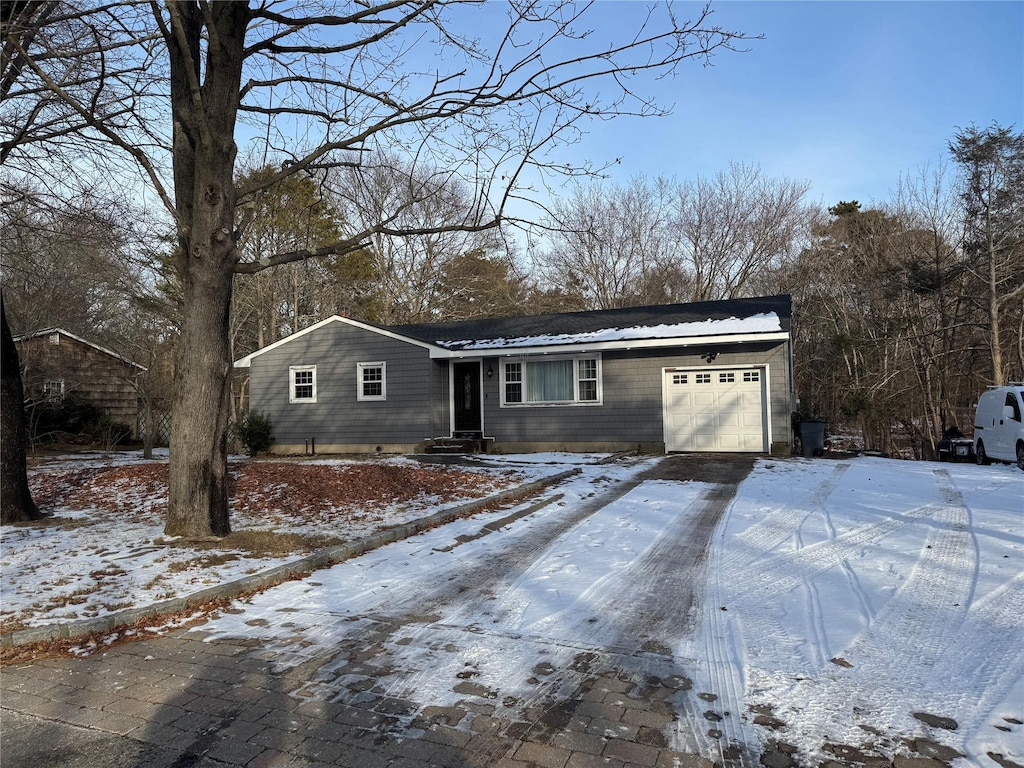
(812,437)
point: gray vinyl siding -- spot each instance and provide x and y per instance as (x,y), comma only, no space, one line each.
(440,407)
(337,417)
(632,402)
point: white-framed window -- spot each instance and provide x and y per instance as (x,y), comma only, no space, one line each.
(53,389)
(702,378)
(371,381)
(751,375)
(302,384)
(727,378)
(513,383)
(679,378)
(570,380)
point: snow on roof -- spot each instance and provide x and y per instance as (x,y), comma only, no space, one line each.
(766,322)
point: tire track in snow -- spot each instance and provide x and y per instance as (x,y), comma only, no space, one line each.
(777,527)
(982,648)
(787,571)
(720,672)
(939,586)
(906,639)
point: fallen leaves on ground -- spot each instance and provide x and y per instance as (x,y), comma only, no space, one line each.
(326,492)
(102,549)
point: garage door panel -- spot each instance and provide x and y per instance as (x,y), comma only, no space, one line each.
(730,420)
(729,443)
(703,442)
(715,411)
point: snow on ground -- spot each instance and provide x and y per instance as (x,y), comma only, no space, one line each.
(511,630)
(97,562)
(848,596)
(843,597)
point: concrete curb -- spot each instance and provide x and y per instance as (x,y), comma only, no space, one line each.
(272,577)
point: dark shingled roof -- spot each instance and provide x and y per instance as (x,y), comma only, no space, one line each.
(598,320)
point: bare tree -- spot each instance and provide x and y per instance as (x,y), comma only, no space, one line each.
(938,312)
(608,243)
(64,263)
(736,227)
(431,222)
(323,86)
(663,240)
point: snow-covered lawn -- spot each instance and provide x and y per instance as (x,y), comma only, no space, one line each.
(848,596)
(103,549)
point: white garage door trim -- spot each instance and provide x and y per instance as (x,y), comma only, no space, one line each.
(729,410)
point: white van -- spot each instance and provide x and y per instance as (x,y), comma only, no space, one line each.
(998,427)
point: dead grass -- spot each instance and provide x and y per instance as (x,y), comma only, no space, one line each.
(54,521)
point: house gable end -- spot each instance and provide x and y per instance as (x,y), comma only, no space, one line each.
(245,362)
(61,332)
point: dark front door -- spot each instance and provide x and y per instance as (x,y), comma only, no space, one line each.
(468,419)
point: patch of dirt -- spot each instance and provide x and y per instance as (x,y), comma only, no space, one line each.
(718,468)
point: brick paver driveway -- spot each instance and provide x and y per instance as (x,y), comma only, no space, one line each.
(415,681)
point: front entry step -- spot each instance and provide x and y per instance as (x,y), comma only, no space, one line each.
(458,445)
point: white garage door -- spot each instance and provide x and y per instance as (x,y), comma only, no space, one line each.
(717,410)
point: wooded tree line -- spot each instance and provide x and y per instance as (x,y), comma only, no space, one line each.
(895,304)
(299,162)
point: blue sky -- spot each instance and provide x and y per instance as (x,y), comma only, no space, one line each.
(845,95)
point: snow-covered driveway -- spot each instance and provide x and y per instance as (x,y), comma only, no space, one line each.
(838,599)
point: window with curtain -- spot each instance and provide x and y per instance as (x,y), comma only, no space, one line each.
(564,380)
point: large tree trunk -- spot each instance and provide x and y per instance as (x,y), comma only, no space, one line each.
(198,492)
(204,104)
(16,504)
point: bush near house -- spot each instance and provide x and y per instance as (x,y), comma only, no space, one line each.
(256,433)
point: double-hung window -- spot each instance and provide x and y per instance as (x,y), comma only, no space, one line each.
(559,381)
(371,381)
(302,384)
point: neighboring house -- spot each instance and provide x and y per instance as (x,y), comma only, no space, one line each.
(711,376)
(56,364)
